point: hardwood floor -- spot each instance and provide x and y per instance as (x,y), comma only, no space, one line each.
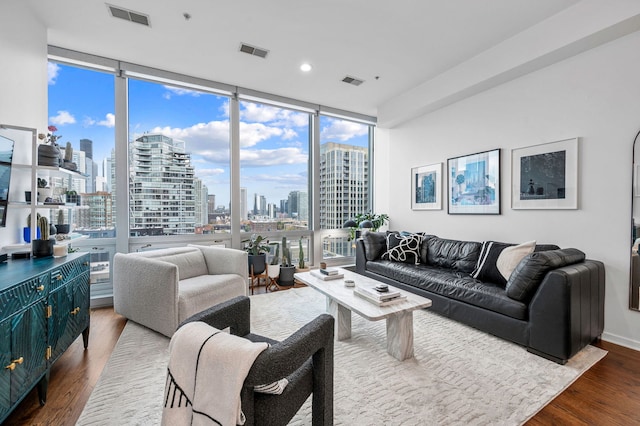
(607,394)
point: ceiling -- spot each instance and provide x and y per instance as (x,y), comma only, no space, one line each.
(392,46)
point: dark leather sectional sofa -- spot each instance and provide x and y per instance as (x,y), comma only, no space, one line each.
(553,302)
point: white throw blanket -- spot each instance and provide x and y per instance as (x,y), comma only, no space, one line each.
(207,368)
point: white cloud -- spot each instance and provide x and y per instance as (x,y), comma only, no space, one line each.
(179,91)
(272,157)
(109,121)
(254,133)
(273,115)
(283,180)
(342,130)
(52,73)
(203,172)
(63,117)
(201,137)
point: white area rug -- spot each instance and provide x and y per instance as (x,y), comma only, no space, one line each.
(458,375)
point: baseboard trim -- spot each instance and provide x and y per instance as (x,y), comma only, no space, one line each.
(622,341)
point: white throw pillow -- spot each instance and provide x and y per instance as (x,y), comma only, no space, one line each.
(511,256)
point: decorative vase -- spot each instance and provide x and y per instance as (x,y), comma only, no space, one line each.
(42,248)
(26,234)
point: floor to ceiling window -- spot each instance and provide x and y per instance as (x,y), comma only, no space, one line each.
(81,114)
(344,179)
(187,173)
(179,179)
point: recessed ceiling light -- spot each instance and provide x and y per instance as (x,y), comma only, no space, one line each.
(305,67)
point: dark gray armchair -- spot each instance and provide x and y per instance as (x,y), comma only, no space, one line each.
(305,359)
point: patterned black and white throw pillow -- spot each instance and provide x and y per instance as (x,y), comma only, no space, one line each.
(403,247)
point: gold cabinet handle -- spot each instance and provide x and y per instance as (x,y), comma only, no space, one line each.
(40,288)
(59,277)
(75,311)
(86,263)
(12,366)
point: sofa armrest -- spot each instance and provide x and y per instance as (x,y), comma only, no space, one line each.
(222,260)
(567,311)
(234,313)
(145,290)
(361,258)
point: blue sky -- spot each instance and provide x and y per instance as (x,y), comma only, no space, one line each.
(274,141)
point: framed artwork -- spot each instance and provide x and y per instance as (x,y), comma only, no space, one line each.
(426,187)
(474,183)
(545,176)
(636,179)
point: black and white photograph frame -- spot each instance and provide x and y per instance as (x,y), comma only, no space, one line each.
(474,183)
(545,176)
(426,187)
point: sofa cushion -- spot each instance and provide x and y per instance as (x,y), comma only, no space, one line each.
(403,247)
(498,260)
(190,261)
(375,244)
(451,284)
(530,272)
(453,254)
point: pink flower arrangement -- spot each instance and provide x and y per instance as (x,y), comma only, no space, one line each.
(50,137)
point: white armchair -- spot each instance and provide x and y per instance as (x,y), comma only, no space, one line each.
(159,289)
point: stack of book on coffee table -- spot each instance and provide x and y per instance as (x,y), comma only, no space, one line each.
(380,298)
(327,274)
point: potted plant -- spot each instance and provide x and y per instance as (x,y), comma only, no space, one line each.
(369,221)
(49,152)
(273,268)
(73,198)
(287,269)
(63,228)
(301,265)
(257,247)
(43,247)
(44,191)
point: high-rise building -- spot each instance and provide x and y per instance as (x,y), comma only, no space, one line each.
(86,145)
(243,204)
(298,205)
(162,186)
(344,189)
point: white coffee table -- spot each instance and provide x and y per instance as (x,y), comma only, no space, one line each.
(341,302)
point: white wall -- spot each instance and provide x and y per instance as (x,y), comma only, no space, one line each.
(594,96)
(23,92)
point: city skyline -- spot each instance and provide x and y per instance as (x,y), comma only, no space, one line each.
(274,141)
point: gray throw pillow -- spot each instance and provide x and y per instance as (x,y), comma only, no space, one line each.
(375,243)
(530,272)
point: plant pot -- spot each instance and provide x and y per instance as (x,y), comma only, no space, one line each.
(44,193)
(63,228)
(48,155)
(27,196)
(273,271)
(73,199)
(42,248)
(258,262)
(26,234)
(286,276)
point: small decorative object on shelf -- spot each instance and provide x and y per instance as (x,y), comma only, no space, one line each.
(63,228)
(73,198)
(68,157)
(43,247)
(48,152)
(44,191)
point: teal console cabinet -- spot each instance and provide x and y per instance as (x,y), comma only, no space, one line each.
(44,307)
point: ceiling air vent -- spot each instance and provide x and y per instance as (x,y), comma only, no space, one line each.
(353,80)
(252,50)
(128,15)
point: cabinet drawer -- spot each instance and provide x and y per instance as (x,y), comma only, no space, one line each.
(17,297)
(61,275)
